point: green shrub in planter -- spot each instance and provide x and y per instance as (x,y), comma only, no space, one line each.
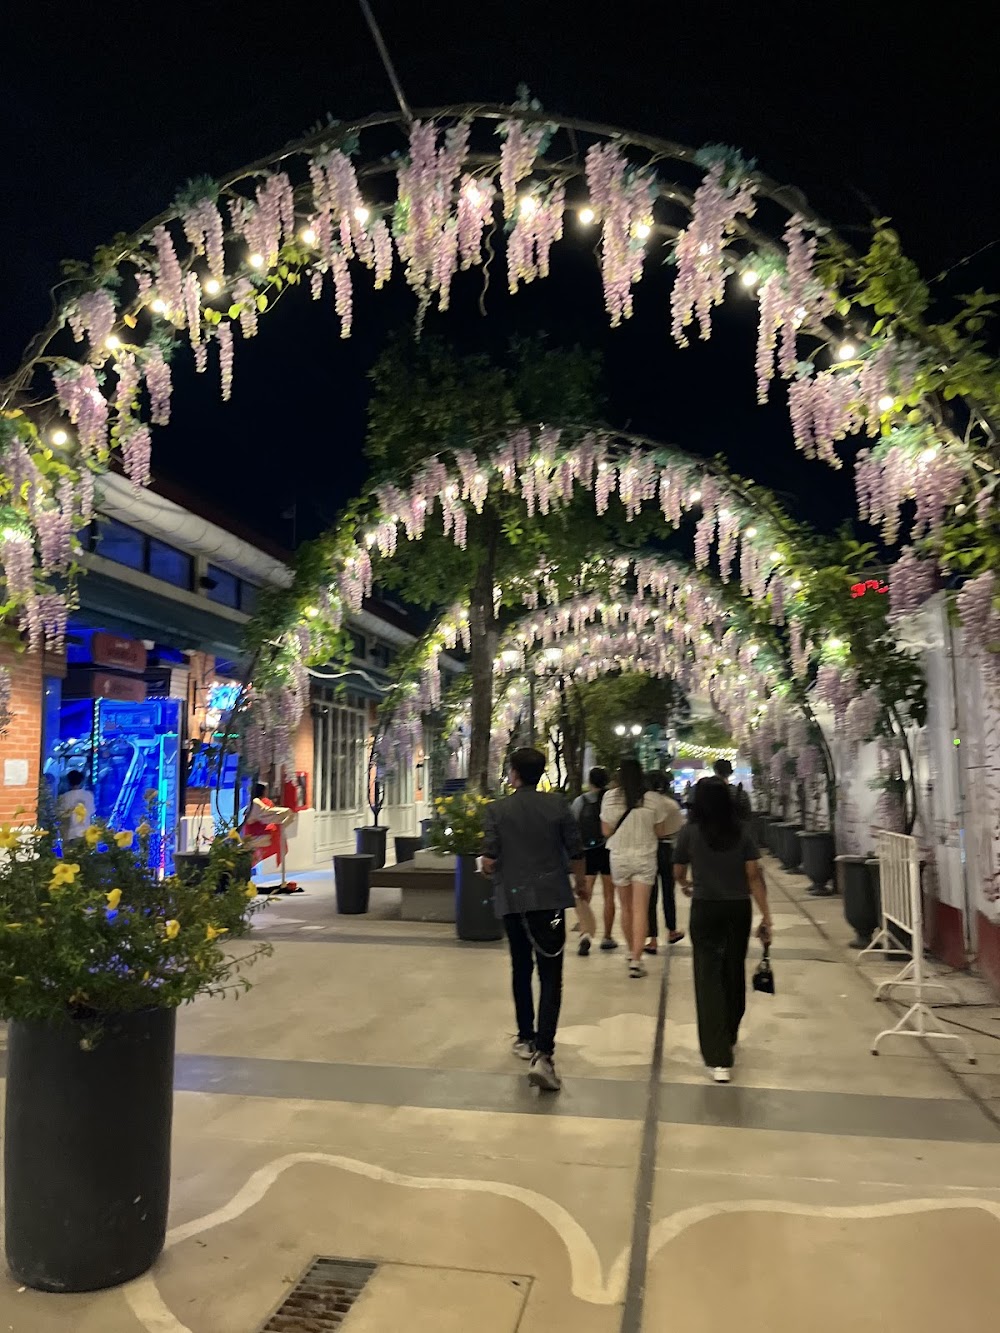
(96,954)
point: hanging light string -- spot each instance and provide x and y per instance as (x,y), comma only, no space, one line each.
(383,51)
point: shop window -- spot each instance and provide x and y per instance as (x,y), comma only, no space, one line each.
(382,655)
(360,649)
(340,758)
(120,543)
(248,597)
(223,587)
(167,563)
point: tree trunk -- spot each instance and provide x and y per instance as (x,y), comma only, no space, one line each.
(483,647)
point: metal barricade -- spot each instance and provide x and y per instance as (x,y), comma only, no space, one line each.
(902,920)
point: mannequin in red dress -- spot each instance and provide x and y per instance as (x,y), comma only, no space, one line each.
(262,827)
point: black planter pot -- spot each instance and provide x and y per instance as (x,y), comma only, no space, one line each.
(767,823)
(789,847)
(862,901)
(352,881)
(87,1151)
(425,829)
(475,918)
(817,862)
(406,846)
(370,841)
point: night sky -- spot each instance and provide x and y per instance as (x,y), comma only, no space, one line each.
(105,112)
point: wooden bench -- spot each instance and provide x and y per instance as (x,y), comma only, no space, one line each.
(428,891)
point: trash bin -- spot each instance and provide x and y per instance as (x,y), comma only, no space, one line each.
(370,841)
(352,880)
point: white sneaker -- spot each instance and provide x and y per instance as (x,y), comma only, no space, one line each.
(524,1050)
(722,1075)
(636,969)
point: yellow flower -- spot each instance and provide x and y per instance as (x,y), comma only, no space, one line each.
(173,929)
(14,925)
(213,932)
(114,898)
(79,811)
(93,835)
(63,873)
(251,890)
(233,835)
(143,830)
(124,839)
(7,837)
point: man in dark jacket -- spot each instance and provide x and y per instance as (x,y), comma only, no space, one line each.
(723,770)
(531,846)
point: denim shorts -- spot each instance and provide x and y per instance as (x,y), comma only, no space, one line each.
(627,867)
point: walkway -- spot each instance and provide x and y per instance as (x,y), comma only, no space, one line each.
(361,1103)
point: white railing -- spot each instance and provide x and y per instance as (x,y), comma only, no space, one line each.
(903,931)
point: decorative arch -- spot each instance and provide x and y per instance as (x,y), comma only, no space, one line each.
(341,202)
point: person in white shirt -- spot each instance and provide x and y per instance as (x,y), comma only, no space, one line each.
(75,808)
(632,820)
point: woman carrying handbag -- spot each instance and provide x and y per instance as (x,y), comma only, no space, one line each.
(717,865)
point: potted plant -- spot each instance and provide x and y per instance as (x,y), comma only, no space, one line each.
(96,955)
(370,839)
(458,831)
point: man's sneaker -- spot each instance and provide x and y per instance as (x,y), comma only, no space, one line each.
(542,1073)
(583,949)
(636,969)
(722,1075)
(608,943)
(524,1050)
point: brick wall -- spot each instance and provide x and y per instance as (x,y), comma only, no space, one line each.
(23,738)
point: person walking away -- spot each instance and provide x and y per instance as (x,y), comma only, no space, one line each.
(723,770)
(630,822)
(672,819)
(587,812)
(717,864)
(75,808)
(531,845)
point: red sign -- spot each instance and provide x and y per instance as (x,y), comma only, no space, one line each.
(114,650)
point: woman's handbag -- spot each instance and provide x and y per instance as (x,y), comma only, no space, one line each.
(763,977)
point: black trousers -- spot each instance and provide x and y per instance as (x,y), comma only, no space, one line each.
(720,934)
(664,876)
(535,941)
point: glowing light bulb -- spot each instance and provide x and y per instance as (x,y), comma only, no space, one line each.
(886,403)
(308,235)
(159,306)
(529,204)
(846,351)
(834,644)
(112,342)
(213,286)
(256,261)
(704,248)
(59,437)
(312,612)
(751,532)
(928,455)
(620,729)
(362,214)
(586,216)
(643,230)
(636,729)
(797,585)
(474,194)
(799,316)
(510,657)
(694,497)
(749,277)
(777,555)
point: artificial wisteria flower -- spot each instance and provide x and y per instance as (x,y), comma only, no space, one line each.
(343,296)
(862,716)
(517,159)
(911,582)
(136,447)
(129,379)
(425,228)
(159,385)
(622,200)
(245,296)
(54,530)
(82,401)
(93,317)
(203,228)
(475,212)
(539,225)
(17,557)
(700,281)
(224,333)
(169,278)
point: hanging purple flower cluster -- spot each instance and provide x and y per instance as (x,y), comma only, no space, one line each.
(160,387)
(17,558)
(539,225)
(93,318)
(862,716)
(911,582)
(977,610)
(426,232)
(622,200)
(520,147)
(701,270)
(907,467)
(205,234)
(81,400)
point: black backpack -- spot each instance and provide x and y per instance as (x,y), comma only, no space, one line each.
(590,823)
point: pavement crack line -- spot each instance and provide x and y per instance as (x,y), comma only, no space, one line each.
(642,1217)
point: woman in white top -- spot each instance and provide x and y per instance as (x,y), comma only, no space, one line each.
(632,821)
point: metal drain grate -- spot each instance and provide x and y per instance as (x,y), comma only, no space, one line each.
(322,1298)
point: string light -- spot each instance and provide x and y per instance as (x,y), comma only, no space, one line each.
(751,532)
(749,277)
(928,455)
(797,585)
(112,342)
(694,497)
(213,286)
(59,437)
(886,403)
(362,214)
(256,261)
(528,204)
(643,230)
(159,306)
(586,216)
(308,235)
(846,352)
(688,750)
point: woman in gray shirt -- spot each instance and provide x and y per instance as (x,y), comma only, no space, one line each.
(717,865)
